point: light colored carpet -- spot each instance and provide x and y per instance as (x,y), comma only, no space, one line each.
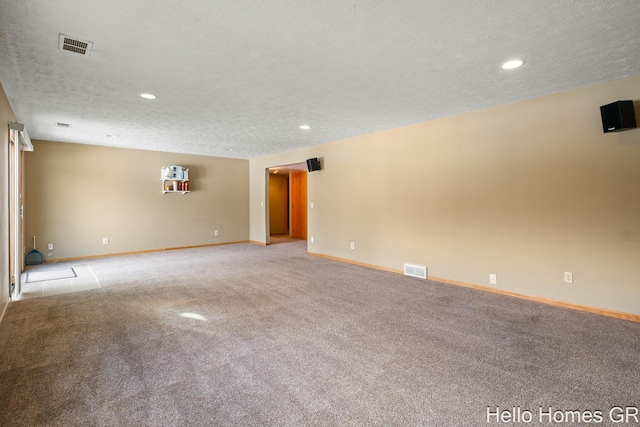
(248,335)
(276,239)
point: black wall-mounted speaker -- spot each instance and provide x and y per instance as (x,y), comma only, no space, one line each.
(313,164)
(618,116)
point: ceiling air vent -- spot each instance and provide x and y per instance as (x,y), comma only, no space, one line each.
(75,45)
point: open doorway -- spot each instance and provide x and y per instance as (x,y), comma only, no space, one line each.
(287,203)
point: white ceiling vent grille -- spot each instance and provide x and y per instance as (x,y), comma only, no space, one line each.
(75,45)
(415,271)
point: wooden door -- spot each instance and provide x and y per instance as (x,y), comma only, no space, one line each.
(298,200)
(278,204)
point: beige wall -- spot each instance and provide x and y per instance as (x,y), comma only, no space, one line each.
(77,194)
(526,191)
(6,115)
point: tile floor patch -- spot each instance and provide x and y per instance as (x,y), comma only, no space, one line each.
(45,275)
(82,280)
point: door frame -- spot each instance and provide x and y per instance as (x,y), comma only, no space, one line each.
(16,213)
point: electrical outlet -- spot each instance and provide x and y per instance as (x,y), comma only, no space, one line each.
(50,246)
(312,239)
(353,245)
(49,254)
(568,277)
(493,279)
(215,233)
(311,205)
(105,240)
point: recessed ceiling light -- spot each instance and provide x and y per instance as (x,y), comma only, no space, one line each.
(514,63)
(147,96)
(305,127)
(230,149)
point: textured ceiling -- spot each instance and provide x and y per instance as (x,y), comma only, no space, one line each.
(243,76)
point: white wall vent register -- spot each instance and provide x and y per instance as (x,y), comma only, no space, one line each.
(415,271)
